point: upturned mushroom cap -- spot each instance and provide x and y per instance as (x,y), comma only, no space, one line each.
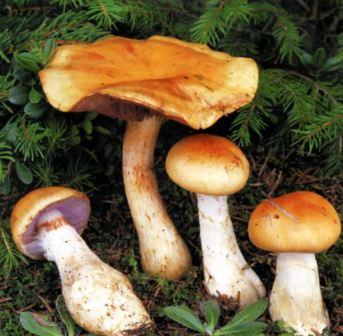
(207,164)
(301,222)
(73,204)
(183,81)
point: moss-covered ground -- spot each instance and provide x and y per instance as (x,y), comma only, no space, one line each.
(34,286)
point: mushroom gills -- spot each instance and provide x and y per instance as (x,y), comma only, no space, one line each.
(226,271)
(296,296)
(99,298)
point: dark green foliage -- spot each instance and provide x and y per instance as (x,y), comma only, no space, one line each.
(299,50)
(242,324)
(221,18)
(41,325)
(10,257)
(295,123)
(38,324)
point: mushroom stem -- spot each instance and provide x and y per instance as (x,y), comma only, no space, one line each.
(99,298)
(163,252)
(296,297)
(226,271)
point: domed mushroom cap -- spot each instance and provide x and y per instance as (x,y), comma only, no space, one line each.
(183,81)
(207,164)
(301,222)
(73,204)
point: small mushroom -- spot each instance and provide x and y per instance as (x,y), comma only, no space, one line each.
(295,226)
(214,167)
(146,82)
(47,222)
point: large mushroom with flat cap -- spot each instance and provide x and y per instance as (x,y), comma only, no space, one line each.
(296,226)
(145,82)
(214,168)
(48,222)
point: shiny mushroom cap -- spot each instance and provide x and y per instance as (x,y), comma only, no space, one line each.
(73,204)
(300,222)
(117,76)
(207,164)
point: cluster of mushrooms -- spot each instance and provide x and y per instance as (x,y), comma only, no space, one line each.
(146,82)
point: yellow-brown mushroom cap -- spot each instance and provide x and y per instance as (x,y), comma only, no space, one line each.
(73,204)
(299,222)
(207,164)
(183,81)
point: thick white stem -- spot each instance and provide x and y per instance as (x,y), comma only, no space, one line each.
(296,297)
(99,298)
(163,252)
(226,271)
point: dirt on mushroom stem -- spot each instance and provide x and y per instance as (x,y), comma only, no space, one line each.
(163,252)
(99,298)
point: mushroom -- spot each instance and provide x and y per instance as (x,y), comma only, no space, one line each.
(295,226)
(47,222)
(146,82)
(214,167)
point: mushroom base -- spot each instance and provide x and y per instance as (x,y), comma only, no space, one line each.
(225,269)
(296,297)
(99,298)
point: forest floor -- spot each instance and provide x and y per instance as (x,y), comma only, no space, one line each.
(35,285)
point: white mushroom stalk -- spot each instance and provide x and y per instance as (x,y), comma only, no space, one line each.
(213,167)
(99,298)
(296,225)
(163,252)
(296,296)
(225,269)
